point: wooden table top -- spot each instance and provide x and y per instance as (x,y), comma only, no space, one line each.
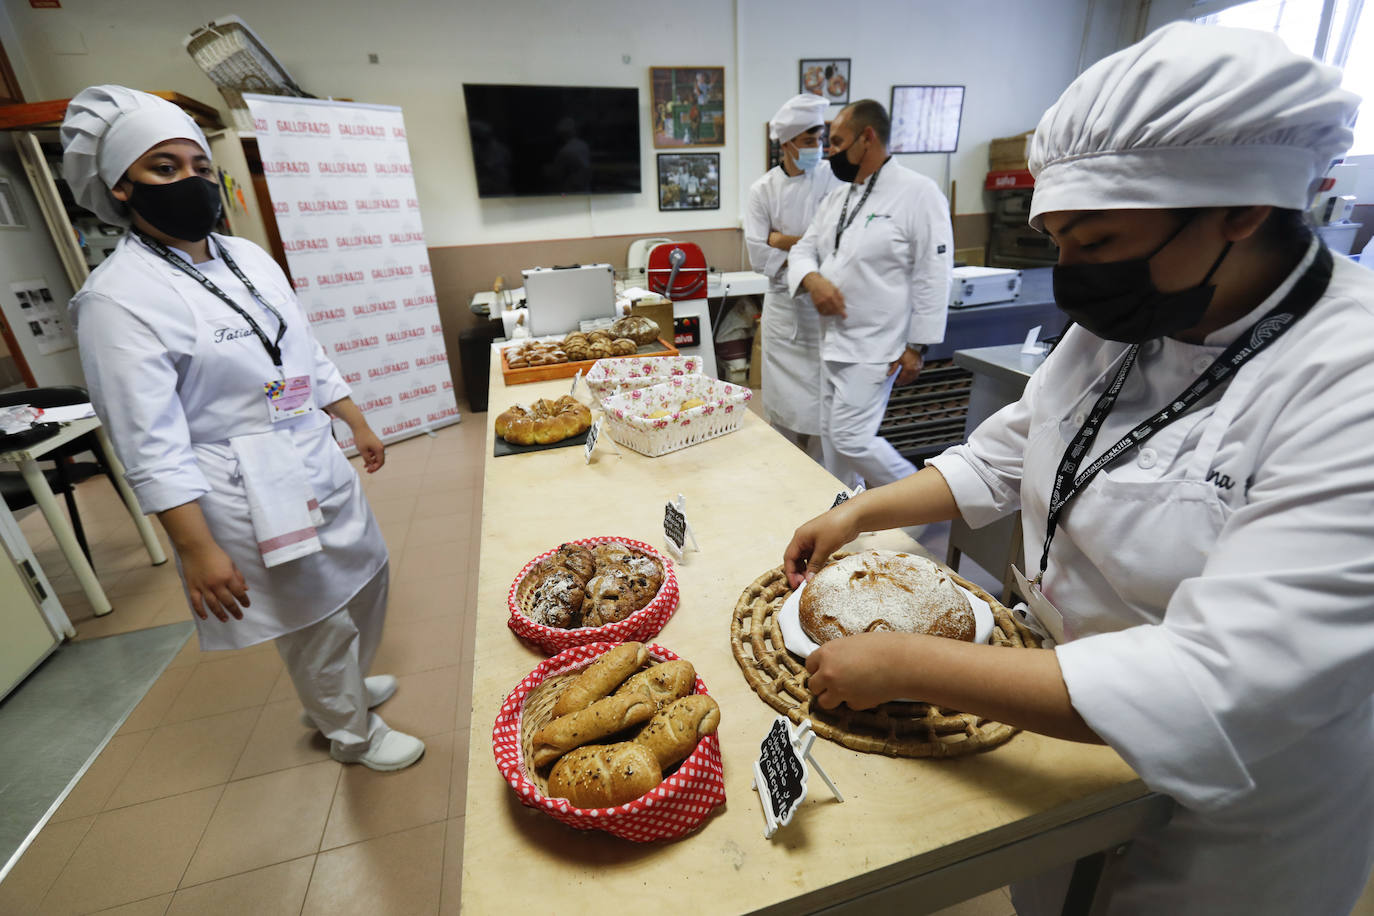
(745,494)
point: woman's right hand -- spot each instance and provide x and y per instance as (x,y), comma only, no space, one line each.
(215,584)
(814,542)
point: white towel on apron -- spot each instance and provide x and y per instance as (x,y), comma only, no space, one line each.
(281,503)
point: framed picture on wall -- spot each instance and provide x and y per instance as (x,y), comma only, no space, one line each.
(925,119)
(689,181)
(774,148)
(687,106)
(827,77)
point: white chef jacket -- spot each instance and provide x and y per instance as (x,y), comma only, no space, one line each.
(786,203)
(1217,586)
(894,266)
(174,373)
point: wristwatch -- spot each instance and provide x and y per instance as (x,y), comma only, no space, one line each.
(919,348)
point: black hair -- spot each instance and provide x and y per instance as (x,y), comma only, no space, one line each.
(1282,229)
(1286,228)
(868,113)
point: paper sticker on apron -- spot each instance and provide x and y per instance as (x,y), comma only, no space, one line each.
(288,398)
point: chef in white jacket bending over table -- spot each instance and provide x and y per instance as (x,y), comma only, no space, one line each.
(781,204)
(876,262)
(218,400)
(1193,468)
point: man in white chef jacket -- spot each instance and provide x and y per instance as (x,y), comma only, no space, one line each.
(781,205)
(876,262)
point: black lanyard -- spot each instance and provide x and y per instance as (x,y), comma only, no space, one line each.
(844,211)
(273,347)
(1068,482)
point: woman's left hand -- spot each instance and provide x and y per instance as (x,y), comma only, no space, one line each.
(860,671)
(370,448)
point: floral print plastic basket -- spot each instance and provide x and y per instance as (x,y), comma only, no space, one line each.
(653,420)
(612,376)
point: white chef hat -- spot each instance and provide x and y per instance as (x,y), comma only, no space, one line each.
(1192,116)
(796,116)
(106,130)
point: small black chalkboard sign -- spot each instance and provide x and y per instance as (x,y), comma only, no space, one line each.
(674,525)
(783,771)
(592,435)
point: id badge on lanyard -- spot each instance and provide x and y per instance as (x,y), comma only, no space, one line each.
(288,398)
(1041,608)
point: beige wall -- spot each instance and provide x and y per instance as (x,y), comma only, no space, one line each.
(1014,58)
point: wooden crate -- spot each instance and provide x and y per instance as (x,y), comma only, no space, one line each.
(569,369)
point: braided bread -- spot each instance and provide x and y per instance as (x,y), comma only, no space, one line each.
(545,422)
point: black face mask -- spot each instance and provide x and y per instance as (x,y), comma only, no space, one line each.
(1119,301)
(187,209)
(842,168)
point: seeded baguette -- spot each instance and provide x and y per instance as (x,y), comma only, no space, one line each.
(663,683)
(675,731)
(605,775)
(603,718)
(604,675)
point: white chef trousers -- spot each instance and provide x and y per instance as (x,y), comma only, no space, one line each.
(853,399)
(328,660)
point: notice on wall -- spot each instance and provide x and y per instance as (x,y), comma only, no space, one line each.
(343,192)
(40,317)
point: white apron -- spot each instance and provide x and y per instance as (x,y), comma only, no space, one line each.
(1193,851)
(174,373)
(1215,584)
(791,373)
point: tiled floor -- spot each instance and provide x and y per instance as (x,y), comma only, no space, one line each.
(213,798)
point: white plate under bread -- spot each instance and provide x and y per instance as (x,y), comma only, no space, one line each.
(798,643)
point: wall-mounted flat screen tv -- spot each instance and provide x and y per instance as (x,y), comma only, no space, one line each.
(532,141)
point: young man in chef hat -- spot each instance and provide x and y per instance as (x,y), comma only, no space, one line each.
(781,205)
(1192,464)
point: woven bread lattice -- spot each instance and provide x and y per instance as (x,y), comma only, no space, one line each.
(896,729)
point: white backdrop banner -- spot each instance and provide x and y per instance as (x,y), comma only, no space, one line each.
(344,197)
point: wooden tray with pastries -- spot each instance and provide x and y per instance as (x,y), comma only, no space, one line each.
(550,358)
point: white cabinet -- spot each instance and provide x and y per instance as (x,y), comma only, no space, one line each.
(25,637)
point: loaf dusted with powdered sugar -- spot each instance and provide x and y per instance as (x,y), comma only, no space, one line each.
(882,590)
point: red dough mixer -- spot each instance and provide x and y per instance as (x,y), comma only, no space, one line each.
(677,270)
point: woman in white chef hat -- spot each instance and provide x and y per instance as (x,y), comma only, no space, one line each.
(781,204)
(218,399)
(1193,467)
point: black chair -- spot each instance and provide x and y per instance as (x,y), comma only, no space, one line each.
(65,473)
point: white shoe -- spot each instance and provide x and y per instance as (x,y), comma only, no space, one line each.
(380,688)
(393,750)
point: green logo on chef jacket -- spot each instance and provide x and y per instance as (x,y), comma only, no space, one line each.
(873,216)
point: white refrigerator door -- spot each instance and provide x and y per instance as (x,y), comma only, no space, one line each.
(25,638)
